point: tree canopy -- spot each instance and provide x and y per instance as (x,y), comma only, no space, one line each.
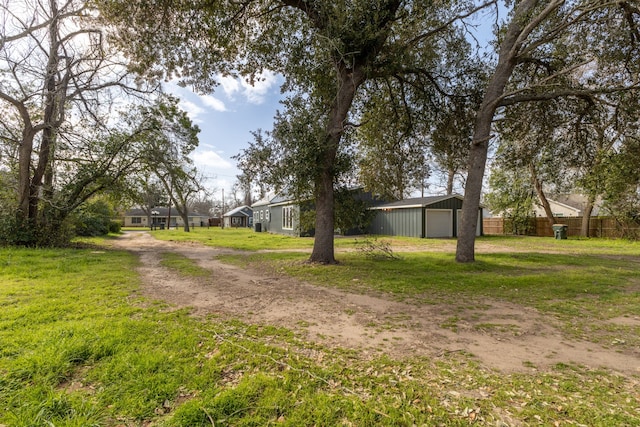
(73,127)
(548,50)
(58,82)
(335,57)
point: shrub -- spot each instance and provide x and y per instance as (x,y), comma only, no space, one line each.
(93,219)
(114,226)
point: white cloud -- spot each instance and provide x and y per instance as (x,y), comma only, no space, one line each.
(212,102)
(263,83)
(256,93)
(193,110)
(209,158)
(230,85)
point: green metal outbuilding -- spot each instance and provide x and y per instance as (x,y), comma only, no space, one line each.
(430,217)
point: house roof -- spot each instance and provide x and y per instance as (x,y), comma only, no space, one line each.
(240,211)
(285,198)
(417,202)
(566,205)
(161,211)
(263,202)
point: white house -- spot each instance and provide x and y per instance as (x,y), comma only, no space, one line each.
(570,205)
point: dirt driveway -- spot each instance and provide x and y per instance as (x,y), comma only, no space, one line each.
(519,340)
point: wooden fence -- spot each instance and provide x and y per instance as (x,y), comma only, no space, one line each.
(598,227)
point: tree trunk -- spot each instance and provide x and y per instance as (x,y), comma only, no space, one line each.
(451,174)
(323,245)
(537,184)
(24,173)
(185,218)
(586,216)
(49,121)
(465,250)
(507,59)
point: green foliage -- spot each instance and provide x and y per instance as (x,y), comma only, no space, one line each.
(115,226)
(11,233)
(511,195)
(340,61)
(14,232)
(392,145)
(255,163)
(621,184)
(170,138)
(306,222)
(352,213)
(94,219)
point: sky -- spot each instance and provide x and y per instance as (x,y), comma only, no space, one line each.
(226,119)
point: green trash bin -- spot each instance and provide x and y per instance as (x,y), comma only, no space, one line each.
(560,231)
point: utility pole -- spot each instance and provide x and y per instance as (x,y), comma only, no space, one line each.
(222,211)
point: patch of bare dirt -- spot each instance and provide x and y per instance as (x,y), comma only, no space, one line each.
(502,336)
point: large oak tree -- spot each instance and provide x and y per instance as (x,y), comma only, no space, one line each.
(588,48)
(334,53)
(58,81)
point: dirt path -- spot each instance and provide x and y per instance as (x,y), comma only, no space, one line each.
(517,339)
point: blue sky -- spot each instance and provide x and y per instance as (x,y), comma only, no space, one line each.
(226,119)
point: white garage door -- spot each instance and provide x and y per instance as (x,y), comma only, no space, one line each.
(439,223)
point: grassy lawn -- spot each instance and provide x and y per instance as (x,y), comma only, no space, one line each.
(80,347)
(249,240)
(235,238)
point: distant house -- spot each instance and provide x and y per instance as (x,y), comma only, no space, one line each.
(281,213)
(160,216)
(242,216)
(570,205)
(262,214)
(435,216)
(431,217)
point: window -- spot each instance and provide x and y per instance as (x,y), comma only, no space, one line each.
(287,217)
(261,215)
(266,215)
(136,220)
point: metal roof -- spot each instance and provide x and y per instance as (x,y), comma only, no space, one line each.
(417,202)
(263,202)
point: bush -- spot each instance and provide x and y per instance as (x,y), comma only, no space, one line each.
(115,226)
(93,219)
(11,233)
(51,234)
